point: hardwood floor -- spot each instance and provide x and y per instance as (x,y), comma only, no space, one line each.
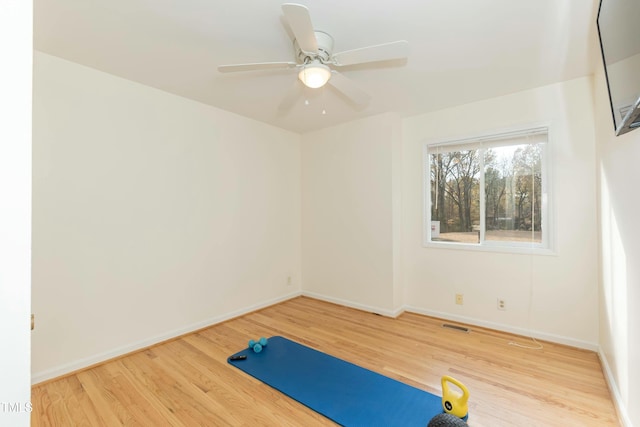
(188,382)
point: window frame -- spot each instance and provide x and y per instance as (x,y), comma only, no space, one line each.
(548,244)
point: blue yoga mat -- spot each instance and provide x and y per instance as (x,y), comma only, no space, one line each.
(346,393)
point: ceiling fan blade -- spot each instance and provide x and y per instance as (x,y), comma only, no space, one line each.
(349,89)
(256,66)
(291,96)
(300,22)
(381,52)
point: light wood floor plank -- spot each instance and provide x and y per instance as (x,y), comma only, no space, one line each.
(187,381)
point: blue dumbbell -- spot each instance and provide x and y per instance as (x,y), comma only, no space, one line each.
(257,346)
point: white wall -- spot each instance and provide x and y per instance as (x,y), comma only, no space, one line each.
(153,215)
(15,214)
(553,297)
(348,210)
(620,251)
(362,231)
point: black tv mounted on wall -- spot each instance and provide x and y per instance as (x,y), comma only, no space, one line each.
(619,31)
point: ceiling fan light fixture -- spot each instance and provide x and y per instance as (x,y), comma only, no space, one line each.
(314,75)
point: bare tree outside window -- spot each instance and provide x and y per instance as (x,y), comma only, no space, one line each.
(456,190)
(514,213)
(490,192)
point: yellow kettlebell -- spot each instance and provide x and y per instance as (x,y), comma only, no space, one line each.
(454,403)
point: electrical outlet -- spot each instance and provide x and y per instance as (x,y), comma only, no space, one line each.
(502,304)
(289,281)
(459,299)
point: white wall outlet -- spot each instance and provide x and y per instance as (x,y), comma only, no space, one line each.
(289,281)
(502,304)
(459,299)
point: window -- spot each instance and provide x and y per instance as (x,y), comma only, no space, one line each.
(489,192)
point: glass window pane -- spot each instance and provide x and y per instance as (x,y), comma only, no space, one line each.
(513,193)
(455,196)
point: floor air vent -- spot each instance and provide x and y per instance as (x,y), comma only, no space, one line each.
(455,327)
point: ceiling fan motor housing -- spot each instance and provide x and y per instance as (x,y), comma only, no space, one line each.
(316,62)
(325,49)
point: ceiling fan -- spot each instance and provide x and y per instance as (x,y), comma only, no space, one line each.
(316,62)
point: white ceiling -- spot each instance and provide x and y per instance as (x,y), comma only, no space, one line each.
(460,50)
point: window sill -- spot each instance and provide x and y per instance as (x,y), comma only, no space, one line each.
(523,249)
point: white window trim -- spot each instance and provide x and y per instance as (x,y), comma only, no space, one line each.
(548,205)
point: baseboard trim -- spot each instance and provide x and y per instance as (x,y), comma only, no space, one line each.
(84,363)
(558,339)
(357,306)
(621,408)
(87,362)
